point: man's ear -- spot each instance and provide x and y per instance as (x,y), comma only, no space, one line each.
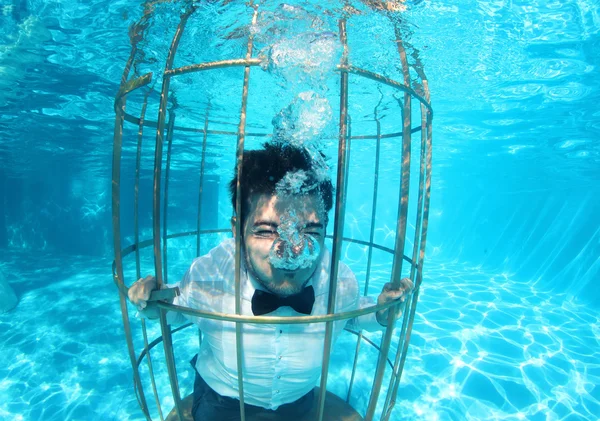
(233,224)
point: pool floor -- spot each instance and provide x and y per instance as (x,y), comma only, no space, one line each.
(484,347)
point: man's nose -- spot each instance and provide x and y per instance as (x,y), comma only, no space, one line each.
(297,249)
(293,250)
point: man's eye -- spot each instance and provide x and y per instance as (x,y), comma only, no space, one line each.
(313,233)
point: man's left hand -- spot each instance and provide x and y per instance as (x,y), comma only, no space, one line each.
(389,293)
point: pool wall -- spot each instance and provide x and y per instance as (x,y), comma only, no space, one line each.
(509,220)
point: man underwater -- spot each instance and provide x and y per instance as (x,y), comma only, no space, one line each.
(285,272)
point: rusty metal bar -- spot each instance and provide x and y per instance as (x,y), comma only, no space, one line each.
(136,194)
(348,153)
(179,328)
(149,123)
(130,86)
(354,364)
(151,370)
(395,378)
(118,275)
(403,339)
(243,62)
(201,184)
(399,247)
(423,211)
(386,136)
(371,237)
(419,272)
(238,221)
(158,340)
(386,81)
(390,396)
(407,319)
(360,335)
(338,229)
(166,193)
(390,399)
(374,210)
(227,317)
(136,236)
(166,332)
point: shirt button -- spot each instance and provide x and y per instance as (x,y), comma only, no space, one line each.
(280,357)
(277,391)
(278,377)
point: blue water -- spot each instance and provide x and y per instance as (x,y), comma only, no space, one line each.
(507,325)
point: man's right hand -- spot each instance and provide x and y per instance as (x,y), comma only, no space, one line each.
(139,294)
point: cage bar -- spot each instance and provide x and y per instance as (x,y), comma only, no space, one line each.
(160,240)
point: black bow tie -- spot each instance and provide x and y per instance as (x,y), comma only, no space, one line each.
(265,302)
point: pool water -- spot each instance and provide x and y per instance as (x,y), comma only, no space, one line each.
(507,325)
(484,346)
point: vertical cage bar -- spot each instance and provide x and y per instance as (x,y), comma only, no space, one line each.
(238,221)
(136,234)
(354,365)
(390,399)
(415,269)
(116,221)
(423,209)
(170,126)
(399,246)
(201,187)
(136,194)
(402,340)
(423,243)
(396,372)
(374,210)
(151,370)
(348,152)
(165,329)
(371,237)
(116,207)
(338,229)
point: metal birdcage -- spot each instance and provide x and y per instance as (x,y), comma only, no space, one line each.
(412,89)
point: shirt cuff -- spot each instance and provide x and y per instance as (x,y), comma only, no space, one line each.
(369,321)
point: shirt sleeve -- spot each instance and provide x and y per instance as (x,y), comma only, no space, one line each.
(369,321)
(350,288)
(202,282)
(174,318)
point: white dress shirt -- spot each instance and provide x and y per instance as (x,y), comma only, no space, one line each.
(281,362)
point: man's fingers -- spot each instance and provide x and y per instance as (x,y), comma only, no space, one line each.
(406,284)
(140,291)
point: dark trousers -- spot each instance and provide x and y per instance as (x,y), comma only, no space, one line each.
(210,406)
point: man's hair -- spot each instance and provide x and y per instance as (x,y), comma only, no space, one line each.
(263,168)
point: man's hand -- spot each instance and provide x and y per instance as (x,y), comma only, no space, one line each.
(388,293)
(139,294)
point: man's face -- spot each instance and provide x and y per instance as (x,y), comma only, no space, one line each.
(283,240)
